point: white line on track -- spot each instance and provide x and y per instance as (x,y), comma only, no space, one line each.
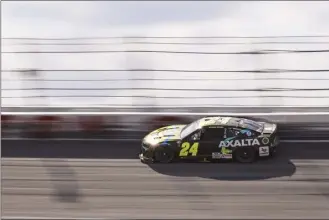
(167,106)
(304,141)
(71,139)
(71,159)
(134,140)
(123,161)
(47,218)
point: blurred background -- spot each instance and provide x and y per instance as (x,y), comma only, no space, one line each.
(167,72)
(106,55)
(79,81)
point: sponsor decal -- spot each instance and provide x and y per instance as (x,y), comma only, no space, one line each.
(218,155)
(265,140)
(264,151)
(224,150)
(224,154)
(239,143)
(215,126)
(227,156)
(170,132)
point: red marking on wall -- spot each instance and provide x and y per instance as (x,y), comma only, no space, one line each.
(44,126)
(163,121)
(91,123)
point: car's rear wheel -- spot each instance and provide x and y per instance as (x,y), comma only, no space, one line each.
(163,155)
(273,152)
(245,155)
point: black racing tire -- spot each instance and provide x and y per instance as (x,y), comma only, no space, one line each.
(163,155)
(143,161)
(273,153)
(245,155)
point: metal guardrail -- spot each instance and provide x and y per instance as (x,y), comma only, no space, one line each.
(136,131)
(105,125)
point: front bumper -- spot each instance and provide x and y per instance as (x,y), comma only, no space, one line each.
(146,153)
(145,159)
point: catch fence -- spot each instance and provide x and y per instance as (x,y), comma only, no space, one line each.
(172,72)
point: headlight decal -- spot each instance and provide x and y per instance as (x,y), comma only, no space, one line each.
(265,140)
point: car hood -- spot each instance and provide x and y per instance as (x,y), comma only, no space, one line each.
(168,133)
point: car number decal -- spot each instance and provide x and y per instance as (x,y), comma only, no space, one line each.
(187,148)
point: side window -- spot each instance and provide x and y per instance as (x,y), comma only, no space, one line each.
(246,133)
(232,132)
(243,133)
(213,134)
(195,136)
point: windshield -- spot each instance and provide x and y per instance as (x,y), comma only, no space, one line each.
(189,129)
(252,125)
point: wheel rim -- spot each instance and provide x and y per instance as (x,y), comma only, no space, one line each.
(163,156)
(245,155)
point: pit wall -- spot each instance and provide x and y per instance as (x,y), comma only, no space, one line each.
(41,126)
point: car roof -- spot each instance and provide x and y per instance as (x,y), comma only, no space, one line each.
(222,121)
(216,120)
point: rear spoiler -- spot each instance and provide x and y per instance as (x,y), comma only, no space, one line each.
(269,128)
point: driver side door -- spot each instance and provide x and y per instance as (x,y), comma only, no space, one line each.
(202,143)
(210,139)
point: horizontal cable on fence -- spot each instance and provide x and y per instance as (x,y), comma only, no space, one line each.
(177,89)
(172,70)
(113,107)
(160,79)
(257,52)
(166,37)
(166,43)
(163,97)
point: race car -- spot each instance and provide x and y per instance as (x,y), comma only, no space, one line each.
(211,139)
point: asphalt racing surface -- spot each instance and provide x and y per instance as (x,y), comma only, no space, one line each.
(115,185)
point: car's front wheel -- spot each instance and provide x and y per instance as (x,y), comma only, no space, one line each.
(245,155)
(163,155)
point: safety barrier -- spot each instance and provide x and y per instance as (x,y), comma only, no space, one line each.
(110,124)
